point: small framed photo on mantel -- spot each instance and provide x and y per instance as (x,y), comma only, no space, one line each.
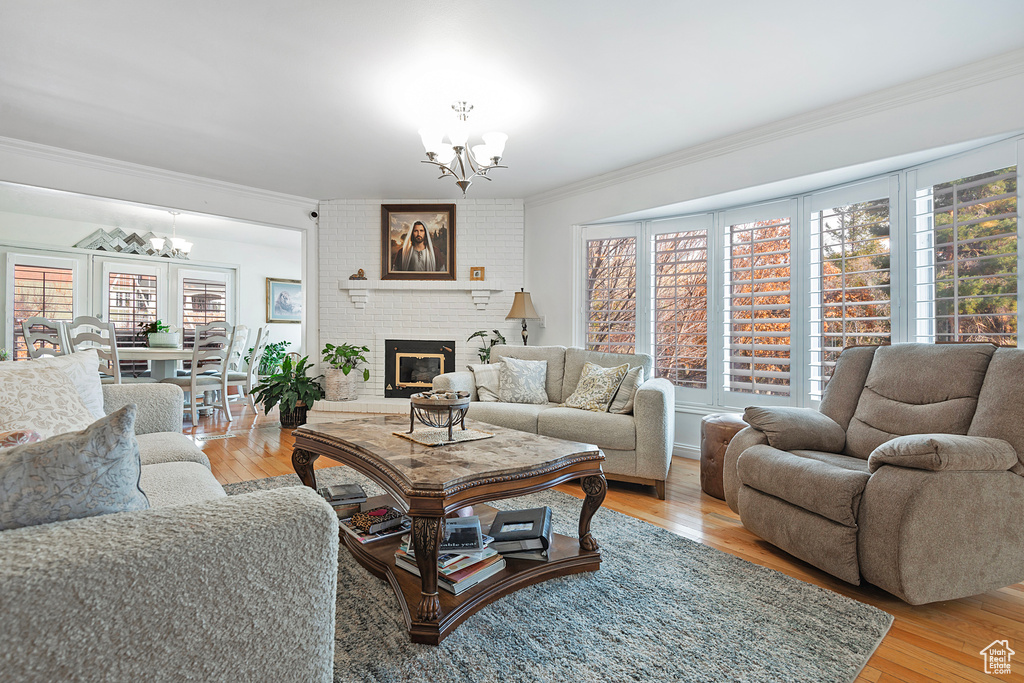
(417,241)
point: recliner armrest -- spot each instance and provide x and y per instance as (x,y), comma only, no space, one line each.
(793,429)
(457,381)
(938,452)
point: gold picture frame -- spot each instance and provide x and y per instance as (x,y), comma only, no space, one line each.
(476,273)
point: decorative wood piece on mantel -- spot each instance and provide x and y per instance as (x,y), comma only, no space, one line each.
(359,290)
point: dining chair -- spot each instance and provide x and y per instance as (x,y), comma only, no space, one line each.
(88,332)
(212,347)
(51,336)
(242,374)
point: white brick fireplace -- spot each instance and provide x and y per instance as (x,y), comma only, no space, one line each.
(488,232)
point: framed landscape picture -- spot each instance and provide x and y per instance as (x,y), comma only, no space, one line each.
(284,301)
(417,241)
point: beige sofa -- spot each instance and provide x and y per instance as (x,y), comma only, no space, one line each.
(201,586)
(637,447)
(875,487)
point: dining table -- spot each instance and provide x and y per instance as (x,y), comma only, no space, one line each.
(163,362)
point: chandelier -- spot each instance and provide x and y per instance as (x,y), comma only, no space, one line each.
(454,158)
(179,245)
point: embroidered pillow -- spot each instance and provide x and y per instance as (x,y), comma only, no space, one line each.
(523,381)
(40,397)
(82,474)
(622,404)
(488,380)
(83,368)
(597,387)
(19,437)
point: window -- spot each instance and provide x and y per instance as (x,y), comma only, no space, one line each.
(611,294)
(203,301)
(681,307)
(757,303)
(132,300)
(967,259)
(42,291)
(850,288)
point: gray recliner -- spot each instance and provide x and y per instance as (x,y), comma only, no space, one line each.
(910,477)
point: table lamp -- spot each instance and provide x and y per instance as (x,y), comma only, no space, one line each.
(522,309)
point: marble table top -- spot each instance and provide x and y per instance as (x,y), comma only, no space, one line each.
(509,452)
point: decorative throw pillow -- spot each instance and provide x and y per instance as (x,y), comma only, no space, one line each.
(622,404)
(488,380)
(82,474)
(523,381)
(597,387)
(40,397)
(83,368)
(19,437)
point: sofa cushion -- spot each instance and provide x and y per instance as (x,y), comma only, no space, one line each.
(792,428)
(169,447)
(596,388)
(74,475)
(622,404)
(576,358)
(83,369)
(520,416)
(605,430)
(40,397)
(1000,401)
(917,389)
(554,355)
(822,488)
(523,381)
(487,377)
(179,483)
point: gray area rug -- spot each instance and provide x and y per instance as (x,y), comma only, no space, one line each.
(661,608)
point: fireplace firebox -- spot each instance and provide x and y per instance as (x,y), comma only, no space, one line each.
(410,365)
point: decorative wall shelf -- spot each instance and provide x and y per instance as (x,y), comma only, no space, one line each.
(359,290)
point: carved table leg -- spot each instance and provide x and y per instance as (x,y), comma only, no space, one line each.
(302,461)
(595,487)
(426,537)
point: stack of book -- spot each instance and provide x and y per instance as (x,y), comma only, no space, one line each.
(461,568)
(522,534)
(376,524)
(344,498)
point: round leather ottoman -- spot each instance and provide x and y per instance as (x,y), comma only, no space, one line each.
(716,431)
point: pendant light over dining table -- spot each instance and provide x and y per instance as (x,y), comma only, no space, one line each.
(454,158)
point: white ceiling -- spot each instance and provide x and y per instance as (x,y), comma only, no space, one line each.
(322,98)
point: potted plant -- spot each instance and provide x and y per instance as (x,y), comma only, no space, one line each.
(270,361)
(485,351)
(344,378)
(293,388)
(160,336)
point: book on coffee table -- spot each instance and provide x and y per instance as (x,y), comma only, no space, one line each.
(519,530)
(461,581)
(363,537)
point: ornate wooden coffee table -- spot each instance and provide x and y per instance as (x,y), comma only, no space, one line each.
(432,482)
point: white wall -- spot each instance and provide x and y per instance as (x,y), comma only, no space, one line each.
(254,262)
(489,233)
(933,112)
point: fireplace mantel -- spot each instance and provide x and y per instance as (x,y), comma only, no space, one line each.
(359,290)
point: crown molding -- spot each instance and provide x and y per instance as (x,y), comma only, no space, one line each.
(996,68)
(83,160)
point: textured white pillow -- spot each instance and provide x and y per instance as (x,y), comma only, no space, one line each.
(83,367)
(622,404)
(40,397)
(523,381)
(488,381)
(82,474)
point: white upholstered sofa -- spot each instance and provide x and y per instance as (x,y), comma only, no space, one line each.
(201,586)
(637,447)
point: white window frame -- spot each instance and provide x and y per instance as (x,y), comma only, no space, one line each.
(27,258)
(613,231)
(179,273)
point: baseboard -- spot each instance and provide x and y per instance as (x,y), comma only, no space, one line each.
(683,450)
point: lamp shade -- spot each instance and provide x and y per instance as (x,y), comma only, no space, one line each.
(522,308)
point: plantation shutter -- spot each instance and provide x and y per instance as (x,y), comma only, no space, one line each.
(966,260)
(203,302)
(43,291)
(680,301)
(757,306)
(131,301)
(611,272)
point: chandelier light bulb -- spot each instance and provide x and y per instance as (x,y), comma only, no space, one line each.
(454,158)
(186,248)
(157,243)
(431,139)
(459,134)
(445,153)
(496,143)
(178,243)
(482,154)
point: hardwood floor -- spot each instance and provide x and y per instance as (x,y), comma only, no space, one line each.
(937,642)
